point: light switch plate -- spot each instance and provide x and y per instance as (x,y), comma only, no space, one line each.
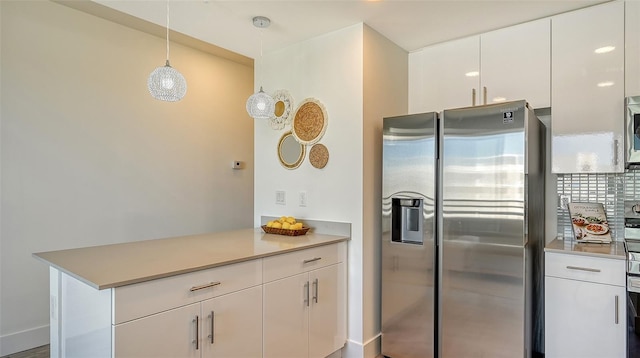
(281,198)
(302,198)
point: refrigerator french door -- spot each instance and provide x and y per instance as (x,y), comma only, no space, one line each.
(463,224)
(408,250)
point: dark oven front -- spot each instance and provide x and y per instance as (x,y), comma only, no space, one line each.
(633,320)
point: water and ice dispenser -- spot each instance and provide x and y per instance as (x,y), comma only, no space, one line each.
(406,221)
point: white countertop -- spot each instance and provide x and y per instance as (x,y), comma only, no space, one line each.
(613,250)
(116,265)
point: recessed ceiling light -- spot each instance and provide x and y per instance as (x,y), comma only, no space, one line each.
(605,49)
(605,84)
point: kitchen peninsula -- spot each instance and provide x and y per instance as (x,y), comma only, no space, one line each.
(241,293)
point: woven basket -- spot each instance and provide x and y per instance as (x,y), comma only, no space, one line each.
(271,230)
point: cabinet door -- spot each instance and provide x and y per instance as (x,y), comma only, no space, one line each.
(286,317)
(632,48)
(582,319)
(443,76)
(516,64)
(232,325)
(168,334)
(587,94)
(327,316)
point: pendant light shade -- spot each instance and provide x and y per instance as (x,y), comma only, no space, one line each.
(166,83)
(261,106)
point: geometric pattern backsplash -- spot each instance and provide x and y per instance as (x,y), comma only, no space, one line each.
(609,189)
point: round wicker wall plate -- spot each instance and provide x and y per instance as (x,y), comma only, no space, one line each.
(319,156)
(309,122)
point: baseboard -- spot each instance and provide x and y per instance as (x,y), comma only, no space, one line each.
(20,341)
(368,349)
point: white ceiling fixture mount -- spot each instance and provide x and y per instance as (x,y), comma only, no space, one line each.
(165,83)
(260,105)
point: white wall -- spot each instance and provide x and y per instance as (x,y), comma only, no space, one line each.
(89,158)
(328,68)
(333,69)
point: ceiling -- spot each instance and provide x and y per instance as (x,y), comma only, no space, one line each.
(410,24)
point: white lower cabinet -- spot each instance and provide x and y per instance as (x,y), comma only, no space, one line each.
(305,313)
(327,316)
(286,318)
(286,305)
(233,325)
(225,326)
(585,307)
(166,334)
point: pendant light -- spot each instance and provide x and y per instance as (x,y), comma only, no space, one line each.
(166,83)
(260,105)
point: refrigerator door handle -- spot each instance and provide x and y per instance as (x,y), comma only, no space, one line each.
(617,308)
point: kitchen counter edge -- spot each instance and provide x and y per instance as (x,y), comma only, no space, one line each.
(92,265)
(614,250)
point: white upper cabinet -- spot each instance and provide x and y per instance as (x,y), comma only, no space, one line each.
(632,48)
(503,65)
(587,86)
(444,76)
(516,64)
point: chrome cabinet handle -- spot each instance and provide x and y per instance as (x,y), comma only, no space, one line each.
(583,269)
(484,95)
(306,293)
(197,321)
(615,152)
(213,315)
(315,290)
(473,96)
(206,285)
(616,317)
(312,260)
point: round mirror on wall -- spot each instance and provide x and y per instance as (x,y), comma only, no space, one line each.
(290,152)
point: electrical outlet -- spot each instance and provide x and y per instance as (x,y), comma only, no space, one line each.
(302,198)
(281,198)
(564,200)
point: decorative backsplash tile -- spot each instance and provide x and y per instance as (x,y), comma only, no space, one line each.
(609,189)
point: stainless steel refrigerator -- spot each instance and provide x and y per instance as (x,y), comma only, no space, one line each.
(463,233)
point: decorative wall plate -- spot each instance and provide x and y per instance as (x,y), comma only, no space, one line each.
(309,122)
(319,156)
(283,111)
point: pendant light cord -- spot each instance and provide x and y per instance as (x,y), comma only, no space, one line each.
(261,56)
(167,31)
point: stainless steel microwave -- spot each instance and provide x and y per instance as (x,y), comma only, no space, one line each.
(632,132)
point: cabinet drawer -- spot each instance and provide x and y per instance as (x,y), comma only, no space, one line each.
(143,299)
(280,266)
(586,268)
